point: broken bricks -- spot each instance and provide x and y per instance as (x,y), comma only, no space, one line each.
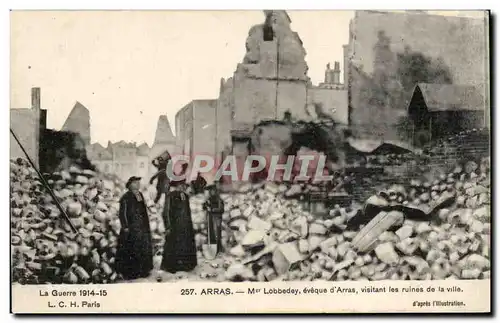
(285,256)
(264,217)
(367,237)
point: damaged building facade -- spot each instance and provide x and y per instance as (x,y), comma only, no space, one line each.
(78,121)
(125,159)
(379,42)
(195,126)
(28,125)
(270,81)
(50,150)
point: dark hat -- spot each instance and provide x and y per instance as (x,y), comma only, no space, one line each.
(211,187)
(131,180)
(176,183)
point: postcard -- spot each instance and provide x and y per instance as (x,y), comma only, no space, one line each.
(250,162)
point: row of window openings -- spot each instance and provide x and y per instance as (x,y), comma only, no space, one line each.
(120,154)
(118,166)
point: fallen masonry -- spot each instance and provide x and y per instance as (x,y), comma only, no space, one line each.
(425,229)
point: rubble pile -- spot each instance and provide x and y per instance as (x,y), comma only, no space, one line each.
(478,138)
(44,247)
(268,236)
(391,159)
(268,232)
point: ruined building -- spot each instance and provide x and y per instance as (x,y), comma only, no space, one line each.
(122,159)
(127,159)
(28,125)
(195,127)
(50,150)
(270,81)
(78,122)
(164,138)
(379,42)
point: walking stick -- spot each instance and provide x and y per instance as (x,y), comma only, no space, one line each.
(45,184)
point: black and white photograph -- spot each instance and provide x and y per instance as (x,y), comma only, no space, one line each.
(263,148)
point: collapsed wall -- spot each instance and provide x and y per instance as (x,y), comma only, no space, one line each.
(59,150)
(276,141)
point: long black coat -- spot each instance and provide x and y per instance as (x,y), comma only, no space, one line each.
(179,252)
(134,257)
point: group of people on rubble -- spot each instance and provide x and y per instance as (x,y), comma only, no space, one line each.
(134,258)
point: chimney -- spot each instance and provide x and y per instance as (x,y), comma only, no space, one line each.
(336,73)
(328,74)
(35,98)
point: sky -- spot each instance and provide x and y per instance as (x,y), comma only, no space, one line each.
(130,67)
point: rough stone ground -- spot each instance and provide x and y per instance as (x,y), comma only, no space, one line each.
(297,245)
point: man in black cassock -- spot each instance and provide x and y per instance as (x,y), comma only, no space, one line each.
(134,257)
(179,251)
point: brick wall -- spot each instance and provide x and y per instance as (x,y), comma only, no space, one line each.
(440,157)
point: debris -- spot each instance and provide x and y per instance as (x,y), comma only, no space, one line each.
(371,232)
(285,256)
(385,252)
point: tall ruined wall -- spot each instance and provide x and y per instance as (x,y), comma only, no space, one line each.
(279,55)
(260,99)
(292,96)
(78,122)
(184,128)
(367,121)
(26,125)
(457,44)
(204,127)
(334,102)
(254,100)
(459,41)
(225,105)
(273,76)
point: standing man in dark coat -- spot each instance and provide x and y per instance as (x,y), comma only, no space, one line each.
(215,208)
(162,180)
(134,258)
(179,251)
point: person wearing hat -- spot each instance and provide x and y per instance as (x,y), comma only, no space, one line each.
(161,178)
(179,251)
(199,184)
(214,206)
(134,257)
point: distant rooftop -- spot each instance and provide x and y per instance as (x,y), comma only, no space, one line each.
(164,132)
(449,97)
